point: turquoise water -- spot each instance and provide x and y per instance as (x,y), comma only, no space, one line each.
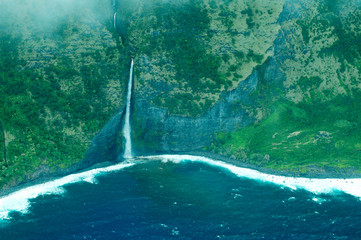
(186,200)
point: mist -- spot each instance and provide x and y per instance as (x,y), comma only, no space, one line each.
(47,15)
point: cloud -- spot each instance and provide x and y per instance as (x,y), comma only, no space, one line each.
(45,15)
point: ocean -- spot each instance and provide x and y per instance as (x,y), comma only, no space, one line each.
(182,197)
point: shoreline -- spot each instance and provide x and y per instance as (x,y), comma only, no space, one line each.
(45,179)
(17,198)
(318,174)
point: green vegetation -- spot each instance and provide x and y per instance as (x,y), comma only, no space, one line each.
(311,119)
(180,39)
(192,51)
(344,25)
(3,146)
(147,138)
(57,91)
(296,137)
(249,21)
(58,87)
(314,121)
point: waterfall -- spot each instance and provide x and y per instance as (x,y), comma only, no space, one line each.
(115,21)
(126,128)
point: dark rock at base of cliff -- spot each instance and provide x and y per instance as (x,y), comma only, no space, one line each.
(108,144)
(155,130)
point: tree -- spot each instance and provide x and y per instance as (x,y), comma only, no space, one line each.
(3,143)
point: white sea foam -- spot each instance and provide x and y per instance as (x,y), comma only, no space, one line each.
(19,201)
(315,185)
(318,200)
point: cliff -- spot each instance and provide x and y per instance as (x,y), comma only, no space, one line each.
(275,84)
(62,78)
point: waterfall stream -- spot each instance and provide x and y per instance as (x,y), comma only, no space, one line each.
(115,21)
(127,128)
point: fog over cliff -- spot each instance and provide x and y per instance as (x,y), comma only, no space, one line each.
(47,15)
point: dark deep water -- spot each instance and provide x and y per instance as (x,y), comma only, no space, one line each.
(157,200)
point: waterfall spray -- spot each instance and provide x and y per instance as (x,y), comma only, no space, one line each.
(127,128)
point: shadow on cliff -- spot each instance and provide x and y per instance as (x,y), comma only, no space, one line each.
(156,131)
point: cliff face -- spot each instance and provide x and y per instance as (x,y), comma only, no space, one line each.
(271,83)
(62,78)
(157,130)
(195,66)
(292,104)
(190,52)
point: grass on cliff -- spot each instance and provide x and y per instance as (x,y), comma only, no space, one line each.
(323,130)
(298,137)
(343,27)
(50,112)
(194,50)
(26,98)
(182,37)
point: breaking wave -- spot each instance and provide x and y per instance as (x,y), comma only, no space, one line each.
(19,200)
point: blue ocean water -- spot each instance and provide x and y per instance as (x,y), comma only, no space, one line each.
(187,200)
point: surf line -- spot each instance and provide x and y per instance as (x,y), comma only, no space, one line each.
(19,200)
(350,186)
